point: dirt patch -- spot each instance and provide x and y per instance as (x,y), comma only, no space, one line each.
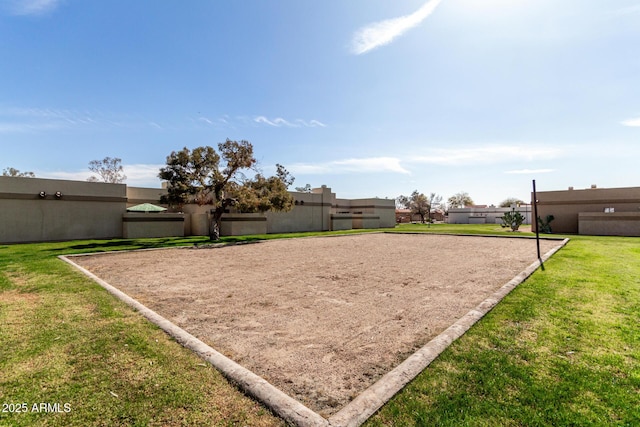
(320,318)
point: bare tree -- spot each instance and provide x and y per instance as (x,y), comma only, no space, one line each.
(108,170)
(16,173)
(506,203)
(435,202)
(460,200)
(305,189)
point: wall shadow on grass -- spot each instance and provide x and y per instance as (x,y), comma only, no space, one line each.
(132,244)
(115,245)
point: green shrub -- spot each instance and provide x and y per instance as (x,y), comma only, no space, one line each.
(544,226)
(512,219)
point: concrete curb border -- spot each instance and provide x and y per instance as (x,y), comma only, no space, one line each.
(362,407)
(369,401)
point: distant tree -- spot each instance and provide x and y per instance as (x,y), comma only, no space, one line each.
(17,173)
(305,189)
(417,203)
(108,170)
(460,200)
(196,176)
(506,203)
(435,202)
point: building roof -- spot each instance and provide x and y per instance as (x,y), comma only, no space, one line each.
(146,207)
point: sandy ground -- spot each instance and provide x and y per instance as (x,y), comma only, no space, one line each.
(320,318)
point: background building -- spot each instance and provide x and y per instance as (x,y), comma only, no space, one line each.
(485,215)
(34,209)
(594,211)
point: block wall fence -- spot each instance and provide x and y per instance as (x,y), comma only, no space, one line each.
(593,211)
(36,210)
(491,215)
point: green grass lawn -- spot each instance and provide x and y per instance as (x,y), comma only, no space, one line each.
(65,340)
(562,349)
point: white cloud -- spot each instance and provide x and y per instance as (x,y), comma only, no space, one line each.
(311,123)
(487,155)
(279,122)
(43,119)
(33,7)
(71,176)
(372,164)
(309,169)
(361,165)
(384,32)
(631,122)
(529,171)
(493,154)
(221,121)
(142,175)
(13,128)
(31,127)
(138,175)
(17,120)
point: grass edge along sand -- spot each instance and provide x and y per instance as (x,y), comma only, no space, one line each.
(72,355)
(562,349)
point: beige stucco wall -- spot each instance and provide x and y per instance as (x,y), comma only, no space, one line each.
(243,224)
(341,222)
(365,221)
(143,225)
(85,210)
(311,212)
(139,195)
(316,211)
(196,220)
(609,224)
(485,215)
(566,205)
(383,209)
(89,210)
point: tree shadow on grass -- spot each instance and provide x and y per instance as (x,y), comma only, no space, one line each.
(156,243)
(115,245)
(214,244)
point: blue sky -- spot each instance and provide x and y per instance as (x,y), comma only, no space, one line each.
(373,98)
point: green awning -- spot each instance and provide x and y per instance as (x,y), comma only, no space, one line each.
(146,207)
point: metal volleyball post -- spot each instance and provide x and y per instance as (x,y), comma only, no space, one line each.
(535,214)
